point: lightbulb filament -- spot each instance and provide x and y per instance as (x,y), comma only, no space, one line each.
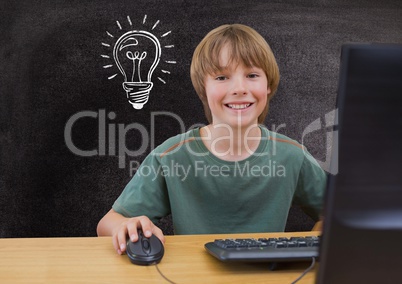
(136,57)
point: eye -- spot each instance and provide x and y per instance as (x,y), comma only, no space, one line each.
(220,78)
(253,75)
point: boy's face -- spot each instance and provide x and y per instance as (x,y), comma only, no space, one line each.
(237,95)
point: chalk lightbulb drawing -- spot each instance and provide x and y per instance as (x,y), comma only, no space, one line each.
(136,54)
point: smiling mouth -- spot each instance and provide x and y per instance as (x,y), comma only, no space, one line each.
(238,106)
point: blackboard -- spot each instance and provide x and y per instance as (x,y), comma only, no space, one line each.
(64,113)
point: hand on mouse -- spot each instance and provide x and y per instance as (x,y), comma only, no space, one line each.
(129,228)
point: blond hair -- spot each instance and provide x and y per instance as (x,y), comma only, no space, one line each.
(245,46)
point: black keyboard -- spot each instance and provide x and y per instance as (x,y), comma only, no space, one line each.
(265,249)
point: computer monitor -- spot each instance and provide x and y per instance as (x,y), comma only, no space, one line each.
(362,233)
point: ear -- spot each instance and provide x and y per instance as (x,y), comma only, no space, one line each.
(269,92)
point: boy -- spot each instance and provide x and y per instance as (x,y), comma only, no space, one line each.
(232,175)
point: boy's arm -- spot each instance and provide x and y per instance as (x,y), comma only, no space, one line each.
(317,226)
(111,220)
(311,187)
(119,227)
(144,198)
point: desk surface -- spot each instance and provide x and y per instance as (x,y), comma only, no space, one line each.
(93,260)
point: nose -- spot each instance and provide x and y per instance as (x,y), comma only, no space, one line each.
(239,87)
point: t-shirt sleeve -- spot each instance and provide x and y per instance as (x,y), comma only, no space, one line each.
(311,187)
(146,193)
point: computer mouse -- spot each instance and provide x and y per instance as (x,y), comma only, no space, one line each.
(145,251)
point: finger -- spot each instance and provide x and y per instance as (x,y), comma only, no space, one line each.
(122,239)
(146,226)
(116,245)
(132,228)
(159,234)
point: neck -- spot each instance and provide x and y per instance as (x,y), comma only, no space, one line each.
(231,144)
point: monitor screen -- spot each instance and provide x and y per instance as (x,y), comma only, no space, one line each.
(362,233)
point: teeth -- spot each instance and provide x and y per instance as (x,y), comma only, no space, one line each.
(238,106)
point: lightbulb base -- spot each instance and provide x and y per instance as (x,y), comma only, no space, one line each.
(137,93)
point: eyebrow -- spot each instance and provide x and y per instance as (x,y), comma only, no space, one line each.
(224,68)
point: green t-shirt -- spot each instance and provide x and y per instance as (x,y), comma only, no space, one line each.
(207,195)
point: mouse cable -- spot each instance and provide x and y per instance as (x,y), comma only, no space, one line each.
(160,272)
(306,271)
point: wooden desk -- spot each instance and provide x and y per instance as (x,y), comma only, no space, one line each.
(93,260)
